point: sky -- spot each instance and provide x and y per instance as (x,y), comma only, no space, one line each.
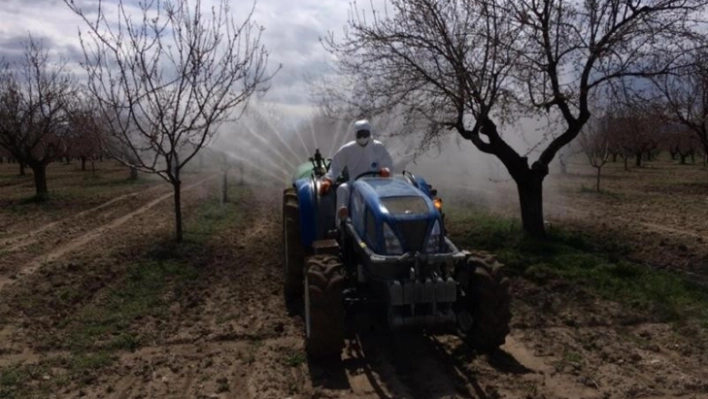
(293,29)
(292,32)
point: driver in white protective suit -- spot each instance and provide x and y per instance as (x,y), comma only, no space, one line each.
(360,156)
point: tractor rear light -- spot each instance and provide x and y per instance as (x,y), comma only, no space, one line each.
(433,244)
(393,244)
(438,203)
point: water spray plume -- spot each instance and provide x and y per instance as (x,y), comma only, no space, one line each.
(267,144)
(312,132)
(340,138)
(267,121)
(256,155)
(280,179)
(280,137)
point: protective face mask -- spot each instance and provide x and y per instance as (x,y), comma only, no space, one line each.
(363,141)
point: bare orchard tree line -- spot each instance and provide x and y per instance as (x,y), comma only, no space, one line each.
(684,97)
(39,102)
(469,66)
(636,133)
(46,116)
(159,86)
(165,75)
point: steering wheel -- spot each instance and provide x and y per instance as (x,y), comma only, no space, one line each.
(371,173)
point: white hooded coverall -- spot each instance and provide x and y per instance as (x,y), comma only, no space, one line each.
(357,159)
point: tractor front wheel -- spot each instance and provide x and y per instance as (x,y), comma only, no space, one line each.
(324,309)
(483,306)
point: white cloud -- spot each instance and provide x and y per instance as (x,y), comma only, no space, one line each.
(292,32)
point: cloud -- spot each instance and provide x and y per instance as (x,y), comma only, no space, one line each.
(292,32)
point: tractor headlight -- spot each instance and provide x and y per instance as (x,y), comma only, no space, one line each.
(393,244)
(433,244)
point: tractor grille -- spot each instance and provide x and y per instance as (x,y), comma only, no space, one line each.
(413,234)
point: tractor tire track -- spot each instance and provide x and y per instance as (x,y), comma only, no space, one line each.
(234,338)
(25,239)
(36,263)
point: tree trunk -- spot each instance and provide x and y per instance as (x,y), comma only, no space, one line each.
(133,173)
(176,185)
(626,166)
(40,178)
(599,169)
(638,159)
(225,189)
(683,159)
(22,168)
(531,201)
(83,163)
(614,157)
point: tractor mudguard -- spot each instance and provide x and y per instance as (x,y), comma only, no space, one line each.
(307,200)
(423,186)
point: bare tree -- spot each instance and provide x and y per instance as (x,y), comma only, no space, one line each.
(34,97)
(466,65)
(685,95)
(595,143)
(84,133)
(680,142)
(639,130)
(166,81)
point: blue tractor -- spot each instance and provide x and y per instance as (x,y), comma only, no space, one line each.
(389,257)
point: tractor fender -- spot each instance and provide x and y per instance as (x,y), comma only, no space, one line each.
(423,186)
(307,199)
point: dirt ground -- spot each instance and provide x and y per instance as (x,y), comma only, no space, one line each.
(71,327)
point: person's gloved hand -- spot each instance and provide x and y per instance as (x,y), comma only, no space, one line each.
(385,172)
(325,186)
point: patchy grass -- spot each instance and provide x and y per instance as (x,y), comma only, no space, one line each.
(569,359)
(294,358)
(216,216)
(107,323)
(160,274)
(581,259)
(14,380)
(164,275)
(592,190)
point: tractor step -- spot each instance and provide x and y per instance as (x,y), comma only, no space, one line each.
(326,247)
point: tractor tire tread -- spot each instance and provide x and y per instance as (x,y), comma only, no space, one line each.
(326,311)
(490,303)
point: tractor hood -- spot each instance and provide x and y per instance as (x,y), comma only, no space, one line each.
(403,217)
(394,198)
(390,187)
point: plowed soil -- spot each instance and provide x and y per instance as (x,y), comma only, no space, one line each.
(207,319)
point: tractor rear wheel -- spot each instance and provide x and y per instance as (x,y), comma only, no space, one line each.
(483,306)
(324,309)
(292,247)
